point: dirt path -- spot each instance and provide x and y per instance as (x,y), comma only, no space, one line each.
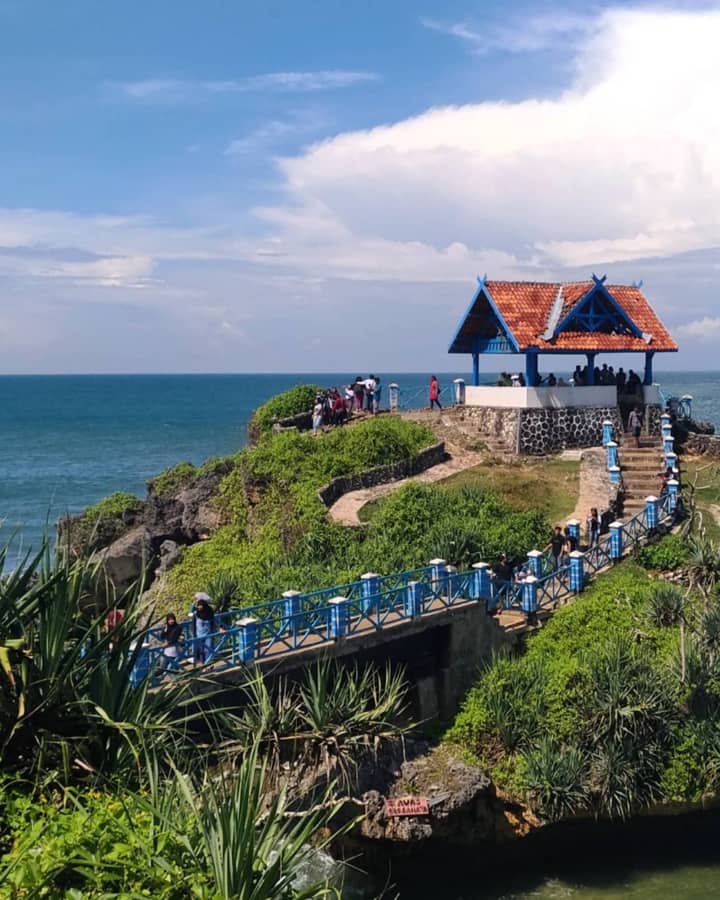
(345,510)
(594,485)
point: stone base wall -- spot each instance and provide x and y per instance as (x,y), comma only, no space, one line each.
(493,422)
(703,445)
(547,430)
(425,459)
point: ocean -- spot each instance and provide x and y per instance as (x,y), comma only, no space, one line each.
(66,441)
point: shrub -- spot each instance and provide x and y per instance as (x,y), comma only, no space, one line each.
(100,524)
(172,479)
(556,779)
(290,403)
(670,552)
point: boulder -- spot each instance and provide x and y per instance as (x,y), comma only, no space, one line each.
(128,558)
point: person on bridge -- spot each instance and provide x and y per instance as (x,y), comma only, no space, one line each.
(593,527)
(203,627)
(557,546)
(435,392)
(171,637)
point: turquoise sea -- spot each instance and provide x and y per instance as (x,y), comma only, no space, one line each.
(67,441)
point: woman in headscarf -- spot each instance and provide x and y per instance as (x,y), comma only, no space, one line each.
(203,627)
(171,637)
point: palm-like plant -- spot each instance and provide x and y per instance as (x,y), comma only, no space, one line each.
(224,590)
(556,779)
(665,605)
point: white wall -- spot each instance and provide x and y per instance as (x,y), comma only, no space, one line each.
(540,397)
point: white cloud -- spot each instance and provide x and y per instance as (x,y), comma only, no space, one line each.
(519,35)
(705,329)
(624,164)
(176,90)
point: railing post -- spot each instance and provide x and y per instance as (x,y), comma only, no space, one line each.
(574,529)
(577,571)
(668,444)
(338,624)
(607,432)
(370,590)
(394,396)
(437,574)
(291,611)
(534,559)
(671,460)
(616,541)
(673,487)
(414,596)
(247,639)
(614,474)
(529,602)
(686,402)
(482,586)
(612,454)
(665,422)
(651,512)
(451,582)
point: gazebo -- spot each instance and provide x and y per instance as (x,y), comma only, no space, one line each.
(551,319)
(546,318)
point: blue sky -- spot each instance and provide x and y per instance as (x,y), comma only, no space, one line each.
(247,186)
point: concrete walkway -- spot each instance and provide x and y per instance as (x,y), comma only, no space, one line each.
(345,510)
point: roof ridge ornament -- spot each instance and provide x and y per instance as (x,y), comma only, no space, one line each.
(554,315)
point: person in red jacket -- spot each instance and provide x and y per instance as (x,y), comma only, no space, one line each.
(434,392)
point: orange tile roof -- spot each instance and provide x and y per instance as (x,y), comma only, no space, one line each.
(525,306)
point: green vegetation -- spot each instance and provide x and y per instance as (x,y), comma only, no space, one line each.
(113,789)
(549,487)
(290,403)
(702,481)
(100,524)
(278,535)
(172,479)
(614,705)
(670,552)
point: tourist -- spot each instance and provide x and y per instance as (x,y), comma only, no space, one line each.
(435,392)
(557,545)
(203,627)
(369,385)
(521,379)
(620,380)
(376,396)
(317,415)
(349,399)
(570,543)
(665,476)
(338,411)
(635,424)
(551,380)
(604,375)
(172,637)
(561,382)
(358,391)
(593,527)
(577,377)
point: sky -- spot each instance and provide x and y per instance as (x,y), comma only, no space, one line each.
(280,186)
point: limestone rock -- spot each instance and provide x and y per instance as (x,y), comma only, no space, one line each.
(127,558)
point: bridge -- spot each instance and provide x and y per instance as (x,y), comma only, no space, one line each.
(463,615)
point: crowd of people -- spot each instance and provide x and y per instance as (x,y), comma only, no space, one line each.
(335,407)
(625,382)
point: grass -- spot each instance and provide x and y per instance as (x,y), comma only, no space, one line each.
(550,486)
(706,477)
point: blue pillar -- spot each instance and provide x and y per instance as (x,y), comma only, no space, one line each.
(616,540)
(590,368)
(534,559)
(476,369)
(291,611)
(665,430)
(614,474)
(437,574)
(577,572)
(529,595)
(338,624)
(668,444)
(671,461)
(648,379)
(451,582)
(370,590)
(673,487)
(607,432)
(665,420)
(651,511)
(686,402)
(415,593)
(612,454)
(247,639)
(482,589)
(574,528)
(531,368)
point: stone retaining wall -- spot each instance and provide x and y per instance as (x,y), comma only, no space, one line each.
(493,422)
(546,430)
(425,459)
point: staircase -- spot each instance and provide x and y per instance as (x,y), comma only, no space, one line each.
(640,468)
